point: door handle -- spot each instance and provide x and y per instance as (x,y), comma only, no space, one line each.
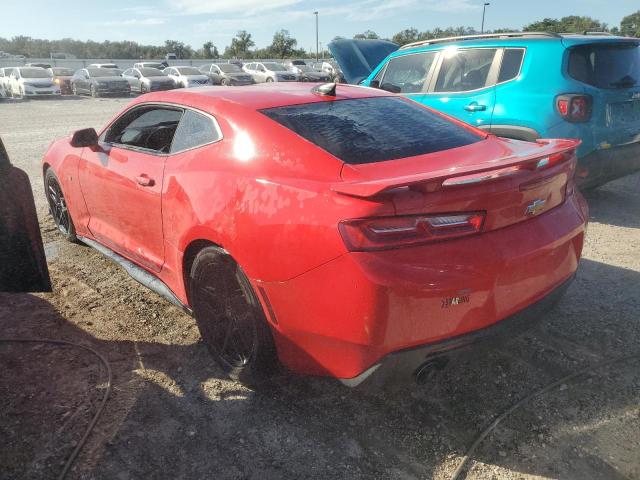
(144,180)
(475,107)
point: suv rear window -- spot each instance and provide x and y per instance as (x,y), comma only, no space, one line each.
(369,130)
(606,65)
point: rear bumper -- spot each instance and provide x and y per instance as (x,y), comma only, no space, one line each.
(608,164)
(405,365)
(341,318)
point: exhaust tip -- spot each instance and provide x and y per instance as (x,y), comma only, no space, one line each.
(427,371)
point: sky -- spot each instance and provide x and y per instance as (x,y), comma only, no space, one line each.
(197,21)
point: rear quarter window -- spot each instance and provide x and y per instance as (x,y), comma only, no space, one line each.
(369,130)
(511,63)
(612,65)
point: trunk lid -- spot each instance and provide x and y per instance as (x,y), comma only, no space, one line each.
(358,58)
(509,180)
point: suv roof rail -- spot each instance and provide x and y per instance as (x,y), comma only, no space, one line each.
(605,34)
(481,36)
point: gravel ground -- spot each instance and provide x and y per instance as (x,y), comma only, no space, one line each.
(173,415)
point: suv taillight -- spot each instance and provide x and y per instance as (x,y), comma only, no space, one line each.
(574,107)
(381,233)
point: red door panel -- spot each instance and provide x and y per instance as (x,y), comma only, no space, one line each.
(122,190)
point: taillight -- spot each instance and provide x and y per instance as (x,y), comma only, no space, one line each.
(574,107)
(383,233)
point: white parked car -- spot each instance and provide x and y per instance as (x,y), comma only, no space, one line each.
(158,65)
(110,66)
(32,82)
(4,79)
(269,72)
(186,77)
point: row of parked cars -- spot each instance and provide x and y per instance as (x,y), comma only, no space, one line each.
(107,79)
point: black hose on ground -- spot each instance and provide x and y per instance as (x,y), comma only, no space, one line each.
(524,400)
(94,420)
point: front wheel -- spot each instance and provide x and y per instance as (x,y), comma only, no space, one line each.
(230,318)
(58,206)
(269,79)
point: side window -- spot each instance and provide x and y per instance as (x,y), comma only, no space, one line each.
(465,69)
(511,62)
(150,128)
(195,130)
(408,73)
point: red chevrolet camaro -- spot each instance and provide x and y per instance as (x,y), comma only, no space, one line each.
(343,231)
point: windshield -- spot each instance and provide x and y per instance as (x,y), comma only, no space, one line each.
(62,72)
(34,73)
(188,71)
(229,68)
(369,130)
(153,65)
(304,68)
(275,67)
(103,72)
(606,65)
(152,72)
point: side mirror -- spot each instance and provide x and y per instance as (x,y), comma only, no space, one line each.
(390,87)
(85,138)
(374,83)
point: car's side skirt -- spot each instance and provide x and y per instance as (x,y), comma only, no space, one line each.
(139,274)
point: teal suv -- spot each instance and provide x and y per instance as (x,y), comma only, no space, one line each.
(520,85)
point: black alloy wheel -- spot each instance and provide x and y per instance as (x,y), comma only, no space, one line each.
(230,318)
(58,206)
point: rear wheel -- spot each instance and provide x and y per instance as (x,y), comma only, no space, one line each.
(58,206)
(74,90)
(269,79)
(230,318)
(94,92)
(226,82)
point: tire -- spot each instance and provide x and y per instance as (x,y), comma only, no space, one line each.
(225,82)
(58,206)
(94,92)
(269,79)
(74,90)
(230,318)
(143,88)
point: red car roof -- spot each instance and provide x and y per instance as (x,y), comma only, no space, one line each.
(260,96)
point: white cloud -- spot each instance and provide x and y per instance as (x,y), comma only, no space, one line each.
(238,7)
(135,22)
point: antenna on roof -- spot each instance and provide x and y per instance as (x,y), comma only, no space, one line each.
(328,89)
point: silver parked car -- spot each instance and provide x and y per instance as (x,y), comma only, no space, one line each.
(269,72)
(186,77)
(226,74)
(158,65)
(307,74)
(143,80)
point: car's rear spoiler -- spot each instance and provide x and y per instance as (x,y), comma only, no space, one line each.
(458,176)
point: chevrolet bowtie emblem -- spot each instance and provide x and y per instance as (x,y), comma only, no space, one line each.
(535,207)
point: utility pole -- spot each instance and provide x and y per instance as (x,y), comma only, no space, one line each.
(317,51)
(484,8)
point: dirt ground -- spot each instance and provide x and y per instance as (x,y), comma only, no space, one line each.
(173,415)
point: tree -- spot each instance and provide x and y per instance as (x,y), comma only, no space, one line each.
(630,25)
(570,24)
(240,45)
(215,53)
(179,48)
(408,35)
(206,49)
(283,45)
(367,35)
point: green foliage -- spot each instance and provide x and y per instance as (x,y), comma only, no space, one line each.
(283,44)
(570,24)
(240,45)
(630,25)
(367,35)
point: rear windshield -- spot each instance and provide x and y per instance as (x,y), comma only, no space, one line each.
(103,72)
(188,71)
(606,65)
(152,72)
(369,130)
(65,72)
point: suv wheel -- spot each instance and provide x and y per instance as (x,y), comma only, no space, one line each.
(230,318)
